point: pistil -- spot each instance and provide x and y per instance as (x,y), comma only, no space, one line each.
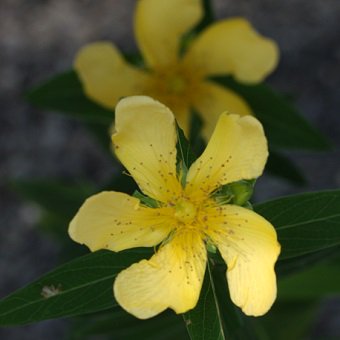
(185,211)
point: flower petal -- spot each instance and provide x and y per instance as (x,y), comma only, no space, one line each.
(233,47)
(172,278)
(106,76)
(211,99)
(145,142)
(116,221)
(159,26)
(248,244)
(237,150)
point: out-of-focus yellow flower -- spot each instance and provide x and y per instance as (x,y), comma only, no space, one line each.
(187,217)
(227,47)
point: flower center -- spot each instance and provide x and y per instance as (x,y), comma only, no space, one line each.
(176,84)
(185,211)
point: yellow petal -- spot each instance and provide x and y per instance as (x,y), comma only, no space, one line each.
(211,100)
(172,278)
(233,47)
(248,244)
(145,142)
(116,221)
(159,26)
(237,150)
(106,76)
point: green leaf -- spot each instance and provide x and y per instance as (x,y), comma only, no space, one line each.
(280,166)
(300,263)
(205,321)
(81,286)
(59,203)
(234,321)
(64,93)
(284,126)
(215,316)
(122,182)
(286,320)
(184,152)
(207,19)
(185,157)
(196,141)
(277,165)
(208,16)
(118,324)
(313,283)
(305,223)
(60,198)
(101,132)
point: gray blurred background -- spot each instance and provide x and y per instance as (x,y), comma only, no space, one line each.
(39,38)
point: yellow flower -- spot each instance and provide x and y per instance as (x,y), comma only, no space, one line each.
(228,47)
(187,217)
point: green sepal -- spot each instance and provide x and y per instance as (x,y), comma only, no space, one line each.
(211,247)
(242,191)
(223,195)
(237,193)
(148,201)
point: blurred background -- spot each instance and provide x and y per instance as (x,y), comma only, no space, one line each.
(39,38)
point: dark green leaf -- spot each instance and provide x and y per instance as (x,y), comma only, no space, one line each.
(280,166)
(54,196)
(196,141)
(57,227)
(300,263)
(122,182)
(205,322)
(206,20)
(215,316)
(185,157)
(135,59)
(286,320)
(59,203)
(208,16)
(118,324)
(64,93)
(235,324)
(315,282)
(284,126)
(81,286)
(101,132)
(305,223)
